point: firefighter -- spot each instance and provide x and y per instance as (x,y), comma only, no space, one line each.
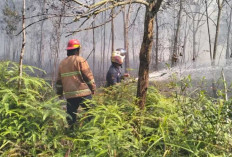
(75,80)
(114,74)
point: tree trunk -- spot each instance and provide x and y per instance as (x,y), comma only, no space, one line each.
(58,34)
(112,29)
(108,51)
(156,43)
(126,40)
(174,54)
(101,57)
(145,51)
(41,46)
(23,46)
(215,44)
(228,37)
(133,46)
(185,40)
(94,54)
(207,19)
(104,47)
(217,30)
(194,41)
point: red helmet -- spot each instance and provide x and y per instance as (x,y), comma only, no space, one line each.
(73,44)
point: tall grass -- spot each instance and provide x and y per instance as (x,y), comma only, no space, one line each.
(31,121)
(175,126)
(184,124)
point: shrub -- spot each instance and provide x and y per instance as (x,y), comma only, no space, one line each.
(31,120)
(184,124)
(175,126)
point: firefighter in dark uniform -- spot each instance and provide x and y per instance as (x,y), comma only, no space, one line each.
(114,74)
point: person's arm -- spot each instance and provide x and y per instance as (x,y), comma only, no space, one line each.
(88,76)
(59,86)
(125,75)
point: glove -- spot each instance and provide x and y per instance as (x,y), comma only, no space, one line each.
(126,75)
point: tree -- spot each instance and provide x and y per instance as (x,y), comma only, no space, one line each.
(126,15)
(196,13)
(174,54)
(94,45)
(55,38)
(152,7)
(144,57)
(228,36)
(112,29)
(23,45)
(41,46)
(11,19)
(156,42)
(207,19)
(219,5)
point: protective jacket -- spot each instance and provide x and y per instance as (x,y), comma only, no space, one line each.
(113,75)
(75,78)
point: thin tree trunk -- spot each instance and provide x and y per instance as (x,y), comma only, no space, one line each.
(157,43)
(23,46)
(225,86)
(133,46)
(207,19)
(194,41)
(174,55)
(199,41)
(112,29)
(126,40)
(14,50)
(41,52)
(58,34)
(108,53)
(101,59)
(145,51)
(94,43)
(5,46)
(104,47)
(217,30)
(228,37)
(215,44)
(185,40)
(101,72)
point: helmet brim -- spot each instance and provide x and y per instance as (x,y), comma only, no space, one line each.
(72,48)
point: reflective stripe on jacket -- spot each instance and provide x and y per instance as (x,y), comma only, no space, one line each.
(75,78)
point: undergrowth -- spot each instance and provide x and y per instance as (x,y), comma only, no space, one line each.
(30,119)
(32,123)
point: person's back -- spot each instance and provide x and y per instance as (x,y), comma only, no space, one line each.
(75,80)
(113,75)
(76,77)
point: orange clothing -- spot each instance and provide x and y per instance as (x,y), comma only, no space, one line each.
(75,78)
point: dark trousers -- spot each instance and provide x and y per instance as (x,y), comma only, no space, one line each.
(72,106)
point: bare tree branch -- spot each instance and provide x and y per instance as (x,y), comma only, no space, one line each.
(89,28)
(114,5)
(135,17)
(84,5)
(111,1)
(33,24)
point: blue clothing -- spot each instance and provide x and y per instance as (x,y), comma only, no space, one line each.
(113,75)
